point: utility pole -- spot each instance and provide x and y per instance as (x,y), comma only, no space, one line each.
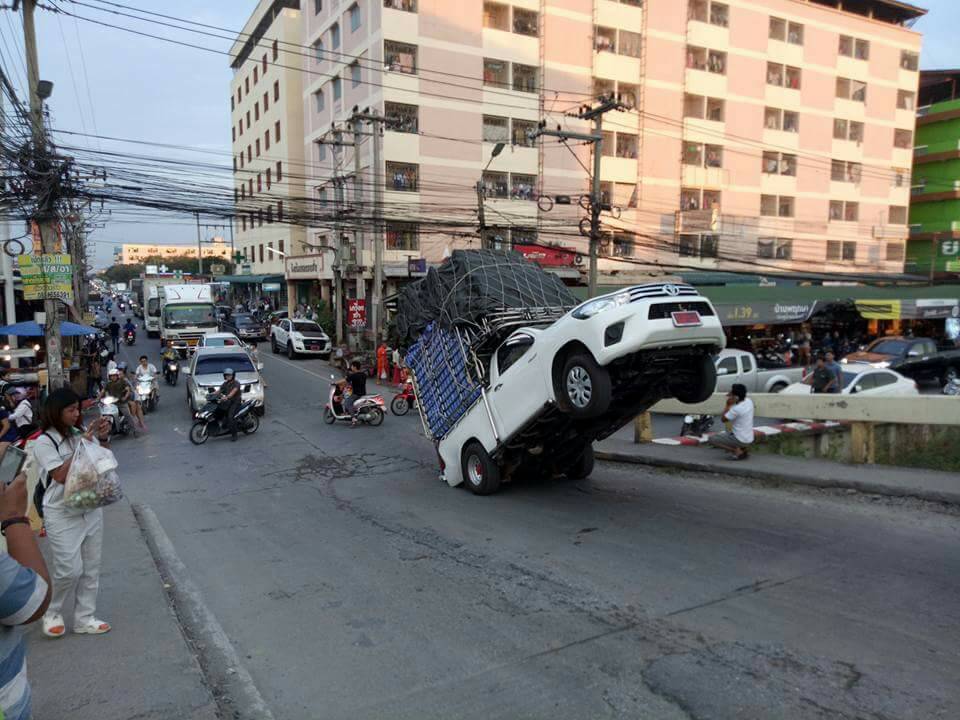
(199,246)
(338,257)
(934,244)
(9,301)
(46,216)
(232,251)
(482,216)
(596,139)
(377,171)
(358,204)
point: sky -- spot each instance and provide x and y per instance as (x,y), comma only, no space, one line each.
(111,83)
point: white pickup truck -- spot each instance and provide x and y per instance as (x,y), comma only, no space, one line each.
(740,366)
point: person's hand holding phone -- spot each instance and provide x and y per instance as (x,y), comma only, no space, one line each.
(13,498)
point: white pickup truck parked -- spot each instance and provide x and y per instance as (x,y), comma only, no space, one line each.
(740,366)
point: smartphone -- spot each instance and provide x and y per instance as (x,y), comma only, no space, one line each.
(11,464)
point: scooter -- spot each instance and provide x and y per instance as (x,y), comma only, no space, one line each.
(129,337)
(171,371)
(147,390)
(210,421)
(119,425)
(404,400)
(696,425)
(369,409)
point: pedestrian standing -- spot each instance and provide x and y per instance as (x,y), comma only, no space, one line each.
(114,328)
(76,539)
(822,378)
(739,412)
(837,369)
(21,412)
(396,366)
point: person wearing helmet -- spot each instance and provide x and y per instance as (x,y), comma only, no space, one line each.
(118,388)
(229,396)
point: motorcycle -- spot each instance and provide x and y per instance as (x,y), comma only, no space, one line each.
(952,388)
(404,400)
(368,409)
(171,371)
(210,421)
(129,337)
(696,425)
(147,390)
(119,425)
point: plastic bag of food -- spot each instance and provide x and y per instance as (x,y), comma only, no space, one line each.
(92,480)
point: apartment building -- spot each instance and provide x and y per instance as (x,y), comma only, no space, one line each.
(267,132)
(772,136)
(934,245)
(137,253)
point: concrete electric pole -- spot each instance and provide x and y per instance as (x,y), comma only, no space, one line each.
(9,301)
(46,215)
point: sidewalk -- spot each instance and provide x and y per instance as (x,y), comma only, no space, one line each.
(879,479)
(143,668)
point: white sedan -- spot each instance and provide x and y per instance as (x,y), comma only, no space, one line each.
(868,381)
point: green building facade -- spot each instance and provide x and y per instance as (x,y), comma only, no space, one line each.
(934,244)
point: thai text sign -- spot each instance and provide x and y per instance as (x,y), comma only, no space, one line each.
(357,314)
(47,276)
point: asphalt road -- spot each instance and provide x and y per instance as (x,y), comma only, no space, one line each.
(357,585)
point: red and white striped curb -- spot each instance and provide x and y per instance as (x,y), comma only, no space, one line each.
(760,432)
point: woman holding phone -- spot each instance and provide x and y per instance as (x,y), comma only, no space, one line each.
(75,538)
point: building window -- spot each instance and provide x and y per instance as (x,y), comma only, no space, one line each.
(777,163)
(257,146)
(777,119)
(240,125)
(521,133)
(496,16)
(270,219)
(276,50)
(841,211)
(355,74)
(775,248)
(843,171)
(279,171)
(317,7)
(318,99)
(604,39)
(696,199)
(233,131)
(337,89)
(405,5)
(268,179)
(699,58)
(496,73)
(522,186)
(713,12)
(241,159)
(256,111)
(903,139)
(243,223)
(719,14)
(335,36)
(909,60)
(318,51)
(495,185)
(627,146)
(628,93)
(266,101)
(622,245)
(496,129)
(256,74)
(248,120)
(276,131)
(261,247)
(321,151)
(279,210)
(401,117)
(898,215)
(403,236)
(631,44)
(264,64)
(901,177)
(266,141)
(354,13)
(783,76)
(249,153)
(526,22)
(525,78)
(276,91)
(780,29)
(259,182)
(698,245)
(232,103)
(848,89)
(239,94)
(403,177)
(607,144)
(776,205)
(400,57)
(246,84)
(895,252)
(854,48)
(905,100)
(847,130)
(700,107)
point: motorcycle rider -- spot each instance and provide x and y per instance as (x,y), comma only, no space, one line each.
(229,396)
(146,369)
(169,355)
(129,327)
(118,388)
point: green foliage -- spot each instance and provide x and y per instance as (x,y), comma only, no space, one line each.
(124,273)
(324,317)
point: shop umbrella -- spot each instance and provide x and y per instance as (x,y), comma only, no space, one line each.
(29,328)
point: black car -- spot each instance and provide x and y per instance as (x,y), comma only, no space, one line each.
(917,358)
(245,326)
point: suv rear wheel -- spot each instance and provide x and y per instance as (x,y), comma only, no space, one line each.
(480,472)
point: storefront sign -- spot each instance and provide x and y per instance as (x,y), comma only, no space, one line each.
(879,309)
(931,309)
(547,256)
(304,268)
(765,313)
(271,287)
(357,314)
(416,267)
(47,276)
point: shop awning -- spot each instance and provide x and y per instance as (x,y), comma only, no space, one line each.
(249,279)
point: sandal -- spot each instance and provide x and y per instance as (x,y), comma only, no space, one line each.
(94,627)
(53,626)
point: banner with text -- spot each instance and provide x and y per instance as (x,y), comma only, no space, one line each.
(47,276)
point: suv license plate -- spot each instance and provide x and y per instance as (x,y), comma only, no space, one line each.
(686,318)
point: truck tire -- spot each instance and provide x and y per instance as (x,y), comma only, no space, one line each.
(778,387)
(699,387)
(480,472)
(582,466)
(585,388)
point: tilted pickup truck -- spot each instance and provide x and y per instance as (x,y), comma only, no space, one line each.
(740,366)
(917,358)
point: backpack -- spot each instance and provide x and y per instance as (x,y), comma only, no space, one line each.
(40,489)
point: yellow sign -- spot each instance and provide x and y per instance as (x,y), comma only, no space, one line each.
(47,276)
(879,309)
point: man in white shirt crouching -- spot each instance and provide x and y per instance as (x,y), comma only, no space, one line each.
(738,412)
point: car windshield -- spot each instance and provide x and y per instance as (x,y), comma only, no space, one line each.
(186,315)
(888,347)
(243,320)
(216,364)
(306,326)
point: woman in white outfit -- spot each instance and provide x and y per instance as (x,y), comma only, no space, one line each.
(75,538)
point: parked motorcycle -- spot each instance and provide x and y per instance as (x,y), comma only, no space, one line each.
(129,337)
(952,388)
(402,402)
(119,425)
(369,409)
(171,371)
(147,390)
(211,422)
(696,425)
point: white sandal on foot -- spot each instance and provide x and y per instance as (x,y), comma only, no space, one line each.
(94,627)
(53,626)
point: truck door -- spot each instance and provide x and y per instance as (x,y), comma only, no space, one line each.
(919,361)
(727,373)
(517,388)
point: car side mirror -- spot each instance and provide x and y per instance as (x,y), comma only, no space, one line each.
(185,371)
(913,353)
(857,388)
(259,366)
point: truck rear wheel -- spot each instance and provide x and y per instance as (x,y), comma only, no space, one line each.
(585,387)
(582,466)
(698,384)
(480,472)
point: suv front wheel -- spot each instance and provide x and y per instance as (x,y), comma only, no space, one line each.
(584,387)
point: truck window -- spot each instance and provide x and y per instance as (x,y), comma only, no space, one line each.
(729,364)
(153,307)
(511,351)
(188,314)
(881,379)
(747,363)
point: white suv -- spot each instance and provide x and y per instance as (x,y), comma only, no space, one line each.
(300,337)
